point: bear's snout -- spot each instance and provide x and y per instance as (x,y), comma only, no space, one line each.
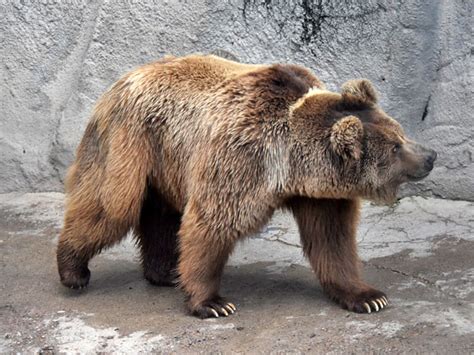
(430,159)
(419,161)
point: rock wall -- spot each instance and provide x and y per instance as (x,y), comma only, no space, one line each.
(59,56)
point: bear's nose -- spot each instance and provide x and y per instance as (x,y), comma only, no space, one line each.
(432,157)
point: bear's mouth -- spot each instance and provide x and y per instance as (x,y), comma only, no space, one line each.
(418,177)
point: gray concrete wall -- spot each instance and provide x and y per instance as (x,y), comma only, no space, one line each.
(58,57)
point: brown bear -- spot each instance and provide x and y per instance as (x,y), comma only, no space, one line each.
(195,153)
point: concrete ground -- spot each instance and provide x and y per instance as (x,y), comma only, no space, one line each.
(420,252)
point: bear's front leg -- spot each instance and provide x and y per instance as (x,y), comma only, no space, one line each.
(204,250)
(328,234)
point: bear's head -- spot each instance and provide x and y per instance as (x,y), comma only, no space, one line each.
(351,147)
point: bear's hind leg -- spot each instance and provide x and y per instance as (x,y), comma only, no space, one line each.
(328,234)
(86,232)
(105,196)
(157,237)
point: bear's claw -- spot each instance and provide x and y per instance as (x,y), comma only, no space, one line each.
(367,301)
(376,305)
(75,279)
(231,307)
(215,309)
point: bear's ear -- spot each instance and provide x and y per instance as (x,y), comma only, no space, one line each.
(346,137)
(358,93)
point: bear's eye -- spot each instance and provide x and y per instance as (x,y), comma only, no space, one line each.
(396,148)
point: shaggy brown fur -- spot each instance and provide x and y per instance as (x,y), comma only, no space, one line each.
(196,153)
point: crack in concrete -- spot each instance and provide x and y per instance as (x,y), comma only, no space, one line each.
(318,21)
(387,243)
(419,278)
(426,110)
(445,219)
(381,215)
(403,231)
(278,240)
(372,226)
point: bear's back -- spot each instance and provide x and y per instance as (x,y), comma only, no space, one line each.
(193,74)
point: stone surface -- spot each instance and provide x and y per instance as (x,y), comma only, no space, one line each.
(420,252)
(58,57)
